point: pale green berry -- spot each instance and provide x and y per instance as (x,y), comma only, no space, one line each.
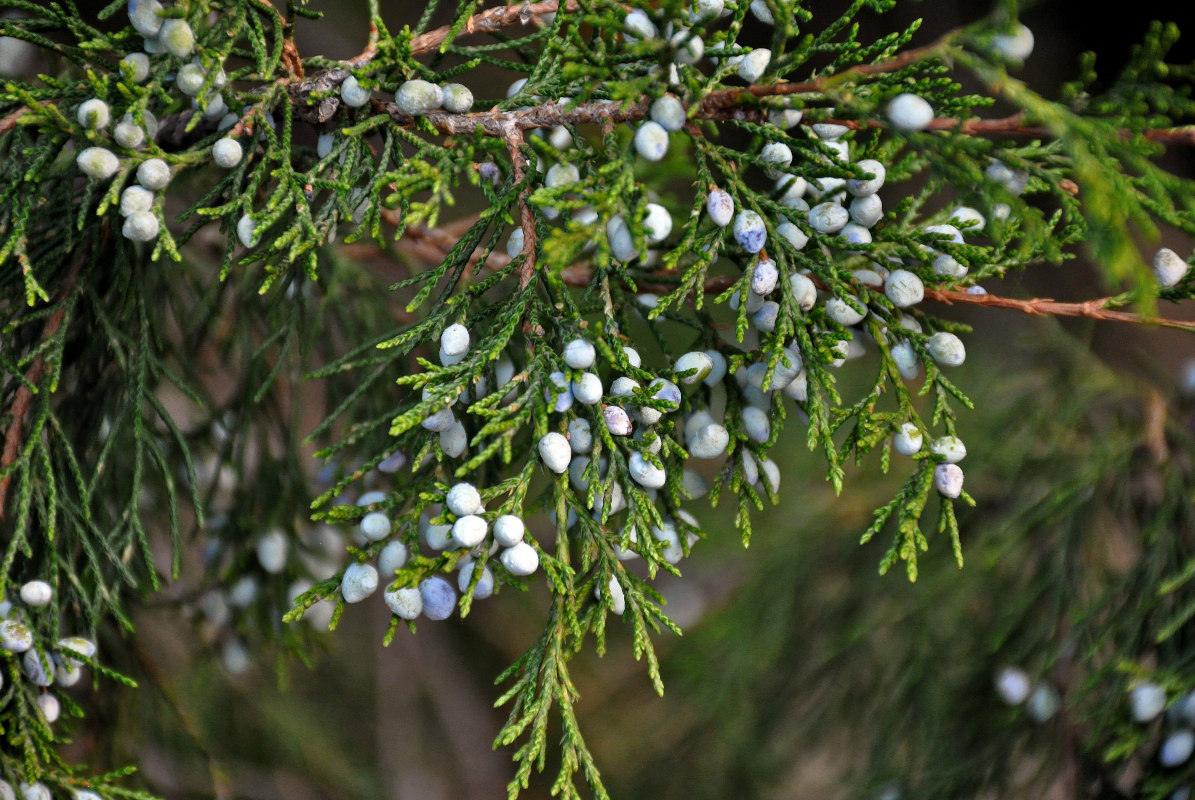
(457,98)
(94,114)
(154,174)
(98,163)
(140,226)
(353,93)
(909,112)
(177,37)
(227,153)
(417,97)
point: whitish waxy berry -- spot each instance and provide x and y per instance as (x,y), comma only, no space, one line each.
(1177,748)
(36,593)
(645,473)
(457,98)
(587,389)
(561,175)
(146,17)
(1013,685)
(50,708)
(190,78)
(140,226)
(128,133)
(469,531)
(828,217)
(392,558)
(137,64)
(439,421)
(1169,267)
(907,440)
(98,163)
(792,234)
(1043,704)
(520,559)
(949,267)
(651,141)
(509,530)
(948,480)
(760,10)
(969,218)
(865,187)
(1015,46)
(246,231)
(668,112)
(454,441)
(709,441)
(618,422)
(177,37)
(618,600)
(463,498)
(564,398)
(909,112)
(765,318)
(38,669)
(271,551)
(719,369)
(353,93)
(904,288)
(754,64)
(950,448)
(359,582)
(1146,702)
(956,236)
(843,313)
(855,234)
(94,114)
(776,156)
(657,223)
(417,97)
(706,10)
(749,231)
(154,174)
(639,26)
(555,452)
(134,199)
(485,583)
(720,207)
(227,153)
(946,349)
(804,291)
(580,436)
(622,244)
(405,603)
(905,357)
(15,637)
(786,118)
(867,210)
(764,277)
(375,526)
(792,190)
(756,424)
(35,791)
(699,361)
(454,341)
(78,644)
(579,354)
(439,598)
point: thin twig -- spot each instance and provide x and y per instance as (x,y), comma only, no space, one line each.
(514,143)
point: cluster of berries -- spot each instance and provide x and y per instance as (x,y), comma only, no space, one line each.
(42,666)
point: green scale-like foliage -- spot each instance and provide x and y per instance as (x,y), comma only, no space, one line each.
(173,384)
